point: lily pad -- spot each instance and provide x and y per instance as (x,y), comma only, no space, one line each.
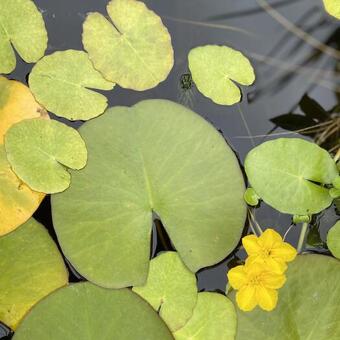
(85,311)
(156,157)
(308,306)
(17,201)
(214,318)
(21,26)
(39,150)
(333,240)
(62,82)
(16,103)
(170,289)
(31,267)
(332,7)
(215,69)
(290,173)
(133,49)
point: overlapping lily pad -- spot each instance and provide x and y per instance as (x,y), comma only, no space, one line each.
(333,240)
(85,311)
(39,150)
(31,267)
(21,26)
(290,173)
(157,157)
(170,289)
(133,49)
(62,83)
(214,318)
(332,7)
(216,70)
(308,306)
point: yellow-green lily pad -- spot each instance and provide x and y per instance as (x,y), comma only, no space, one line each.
(333,240)
(22,27)
(31,267)
(85,311)
(332,7)
(132,47)
(216,70)
(170,289)
(39,151)
(62,82)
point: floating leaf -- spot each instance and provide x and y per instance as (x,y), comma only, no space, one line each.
(332,7)
(308,306)
(17,201)
(214,318)
(85,311)
(31,267)
(39,150)
(215,69)
(170,289)
(157,157)
(16,103)
(133,49)
(21,26)
(61,82)
(289,174)
(333,240)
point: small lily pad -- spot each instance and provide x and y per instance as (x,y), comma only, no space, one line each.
(62,82)
(133,49)
(31,267)
(21,26)
(215,69)
(85,311)
(332,7)
(214,318)
(333,240)
(170,289)
(290,173)
(39,150)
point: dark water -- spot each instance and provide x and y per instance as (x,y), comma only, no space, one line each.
(287,68)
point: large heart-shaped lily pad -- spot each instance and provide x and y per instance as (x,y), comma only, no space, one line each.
(31,267)
(85,311)
(215,69)
(333,240)
(332,7)
(157,157)
(290,173)
(21,26)
(62,81)
(39,150)
(133,49)
(308,306)
(170,289)
(214,318)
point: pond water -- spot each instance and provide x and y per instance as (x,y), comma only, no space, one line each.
(288,63)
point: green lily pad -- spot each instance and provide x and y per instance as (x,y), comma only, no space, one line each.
(215,69)
(31,267)
(333,240)
(21,26)
(85,311)
(308,306)
(214,318)
(133,49)
(39,150)
(332,7)
(158,157)
(170,289)
(62,82)
(289,174)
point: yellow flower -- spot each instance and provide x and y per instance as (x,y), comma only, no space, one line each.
(256,285)
(269,249)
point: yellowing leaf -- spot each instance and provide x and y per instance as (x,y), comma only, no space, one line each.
(332,7)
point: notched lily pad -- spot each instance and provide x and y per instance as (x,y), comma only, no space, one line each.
(62,82)
(31,267)
(333,240)
(290,173)
(216,70)
(85,311)
(39,150)
(214,318)
(133,49)
(332,7)
(170,289)
(21,26)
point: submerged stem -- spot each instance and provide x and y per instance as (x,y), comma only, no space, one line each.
(302,236)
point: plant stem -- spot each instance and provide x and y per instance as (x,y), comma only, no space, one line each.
(302,236)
